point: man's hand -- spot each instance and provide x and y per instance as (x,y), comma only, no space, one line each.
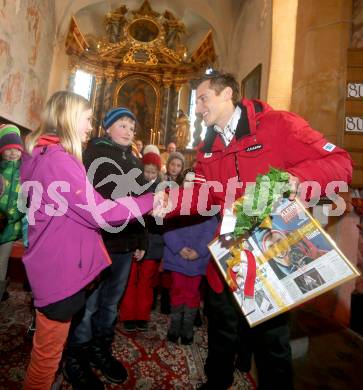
(294,186)
(139,254)
(162,204)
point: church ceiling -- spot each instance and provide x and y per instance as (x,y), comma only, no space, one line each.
(198,16)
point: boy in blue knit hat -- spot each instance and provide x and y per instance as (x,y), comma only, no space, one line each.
(11,147)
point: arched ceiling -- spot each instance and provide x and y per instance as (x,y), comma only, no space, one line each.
(199,16)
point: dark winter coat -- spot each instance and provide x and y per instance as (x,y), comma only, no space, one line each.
(155,247)
(133,236)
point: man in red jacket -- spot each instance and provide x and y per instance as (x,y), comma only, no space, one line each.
(244,140)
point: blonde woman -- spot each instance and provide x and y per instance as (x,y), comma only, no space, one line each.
(66,252)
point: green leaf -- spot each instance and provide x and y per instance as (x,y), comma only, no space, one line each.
(273,185)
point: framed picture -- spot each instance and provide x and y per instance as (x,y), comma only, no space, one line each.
(251,84)
(141,96)
(296,260)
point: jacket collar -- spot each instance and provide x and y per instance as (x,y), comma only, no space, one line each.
(46,140)
(107,140)
(243,125)
(243,130)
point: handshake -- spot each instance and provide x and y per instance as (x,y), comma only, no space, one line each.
(162,204)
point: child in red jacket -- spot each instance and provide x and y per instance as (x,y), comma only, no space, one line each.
(138,298)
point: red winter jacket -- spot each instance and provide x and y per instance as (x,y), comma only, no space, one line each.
(264,139)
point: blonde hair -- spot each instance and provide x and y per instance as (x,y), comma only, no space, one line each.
(60,118)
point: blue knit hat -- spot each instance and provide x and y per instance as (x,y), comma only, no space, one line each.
(116,113)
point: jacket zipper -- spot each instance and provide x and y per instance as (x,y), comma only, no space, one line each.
(12,189)
(236,166)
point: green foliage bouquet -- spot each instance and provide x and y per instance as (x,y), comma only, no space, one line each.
(248,209)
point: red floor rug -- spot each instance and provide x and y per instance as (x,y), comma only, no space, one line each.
(151,361)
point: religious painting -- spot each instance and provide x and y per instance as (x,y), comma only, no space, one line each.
(251,84)
(139,95)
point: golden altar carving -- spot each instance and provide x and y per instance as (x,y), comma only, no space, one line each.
(140,62)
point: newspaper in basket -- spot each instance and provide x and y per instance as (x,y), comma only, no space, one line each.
(296,260)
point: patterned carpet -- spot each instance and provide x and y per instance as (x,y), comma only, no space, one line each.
(152,362)
(334,359)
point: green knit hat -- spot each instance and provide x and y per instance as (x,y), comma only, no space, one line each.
(10,138)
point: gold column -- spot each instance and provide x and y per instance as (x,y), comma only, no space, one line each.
(164,114)
(108,94)
(97,105)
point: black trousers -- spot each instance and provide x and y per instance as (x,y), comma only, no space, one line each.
(230,337)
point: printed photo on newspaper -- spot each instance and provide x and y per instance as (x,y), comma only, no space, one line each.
(296,260)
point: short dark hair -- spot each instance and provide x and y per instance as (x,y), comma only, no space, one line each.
(219,81)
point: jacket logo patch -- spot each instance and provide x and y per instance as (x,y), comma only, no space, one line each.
(329,147)
(252,148)
(207,155)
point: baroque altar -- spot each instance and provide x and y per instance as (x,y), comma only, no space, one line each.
(140,63)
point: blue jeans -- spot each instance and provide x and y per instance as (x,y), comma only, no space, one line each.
(100,315)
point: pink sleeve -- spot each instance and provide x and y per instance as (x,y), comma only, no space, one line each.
(84,204)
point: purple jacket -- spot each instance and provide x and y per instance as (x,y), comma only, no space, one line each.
(66,252)
(196,236)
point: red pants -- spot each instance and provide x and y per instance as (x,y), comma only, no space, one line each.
(138,298)
(185,290)
(48,343)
